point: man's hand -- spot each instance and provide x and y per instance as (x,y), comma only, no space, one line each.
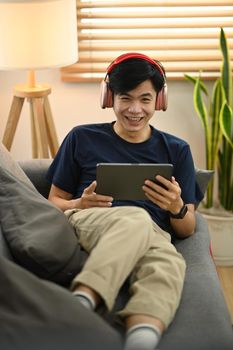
(90,199)
(167,197)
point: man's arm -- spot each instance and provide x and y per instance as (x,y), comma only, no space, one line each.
(64,200)
(61,199)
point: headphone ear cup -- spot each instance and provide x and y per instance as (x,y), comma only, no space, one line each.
(161,99)
(106,97)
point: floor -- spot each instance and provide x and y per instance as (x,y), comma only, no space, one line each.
(225,274)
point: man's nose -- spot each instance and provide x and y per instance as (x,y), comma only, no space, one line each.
(135,107)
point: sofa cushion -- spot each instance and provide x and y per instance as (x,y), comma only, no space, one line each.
(39,235)
(36,169)
(203,178)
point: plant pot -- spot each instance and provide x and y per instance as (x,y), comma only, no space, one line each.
(220,224)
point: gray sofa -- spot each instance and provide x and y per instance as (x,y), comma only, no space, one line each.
(202,321)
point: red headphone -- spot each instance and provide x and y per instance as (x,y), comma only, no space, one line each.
(106,95)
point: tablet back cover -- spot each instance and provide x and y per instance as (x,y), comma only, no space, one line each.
(125,181)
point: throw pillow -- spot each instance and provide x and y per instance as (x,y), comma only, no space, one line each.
(39,235)
(39,315)
(7,162)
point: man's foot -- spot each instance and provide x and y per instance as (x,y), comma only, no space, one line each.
(142,337)
(85,299)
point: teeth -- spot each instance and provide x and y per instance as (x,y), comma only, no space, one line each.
(134,118)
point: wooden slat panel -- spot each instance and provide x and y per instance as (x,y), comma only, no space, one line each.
(183,34)
(170,66)
(122,3)
(194,23)
(174,55)
(154,13)
(138,45)
(163,33)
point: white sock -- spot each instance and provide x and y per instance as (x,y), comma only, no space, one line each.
(85,299)
(142,337)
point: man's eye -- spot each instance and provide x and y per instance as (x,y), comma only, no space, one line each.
(146,100)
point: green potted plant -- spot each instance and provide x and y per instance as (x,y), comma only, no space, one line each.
(215,113)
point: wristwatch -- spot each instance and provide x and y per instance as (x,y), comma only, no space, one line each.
(181,213)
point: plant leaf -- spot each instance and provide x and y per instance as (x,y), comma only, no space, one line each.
(202,85)
(216,134)
(226,67)
(201,110)
(226,122)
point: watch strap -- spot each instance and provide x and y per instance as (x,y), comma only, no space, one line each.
(181,213)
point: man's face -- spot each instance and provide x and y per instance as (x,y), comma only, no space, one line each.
(135,108)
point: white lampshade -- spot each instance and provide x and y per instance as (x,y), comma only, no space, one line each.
(37,34)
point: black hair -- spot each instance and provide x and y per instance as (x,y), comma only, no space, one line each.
(128,74)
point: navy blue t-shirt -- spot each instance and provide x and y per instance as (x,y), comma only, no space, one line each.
(74,166)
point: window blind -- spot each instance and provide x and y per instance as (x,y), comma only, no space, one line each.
(183,35)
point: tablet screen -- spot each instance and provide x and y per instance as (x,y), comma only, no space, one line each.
(124,181)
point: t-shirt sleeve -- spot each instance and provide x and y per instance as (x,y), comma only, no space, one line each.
(64,171)
(184,173)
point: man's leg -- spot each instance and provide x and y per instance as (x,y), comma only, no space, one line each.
(116,239)
(113,244)
(157,283)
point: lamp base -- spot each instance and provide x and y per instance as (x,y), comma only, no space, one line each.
(44,137)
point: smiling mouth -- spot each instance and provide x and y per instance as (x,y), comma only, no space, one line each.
(134,119)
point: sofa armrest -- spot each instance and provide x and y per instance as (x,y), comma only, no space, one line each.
(202,308)
(196,249)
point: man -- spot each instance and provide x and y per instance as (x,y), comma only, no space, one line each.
(129,237)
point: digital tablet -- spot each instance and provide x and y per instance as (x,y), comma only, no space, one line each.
(124,181)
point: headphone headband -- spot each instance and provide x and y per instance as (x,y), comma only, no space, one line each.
(129,55)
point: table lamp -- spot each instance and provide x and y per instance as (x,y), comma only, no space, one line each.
(37,34)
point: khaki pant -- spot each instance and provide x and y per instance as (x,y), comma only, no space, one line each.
(123,241)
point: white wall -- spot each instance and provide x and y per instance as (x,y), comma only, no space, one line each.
(74,104)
